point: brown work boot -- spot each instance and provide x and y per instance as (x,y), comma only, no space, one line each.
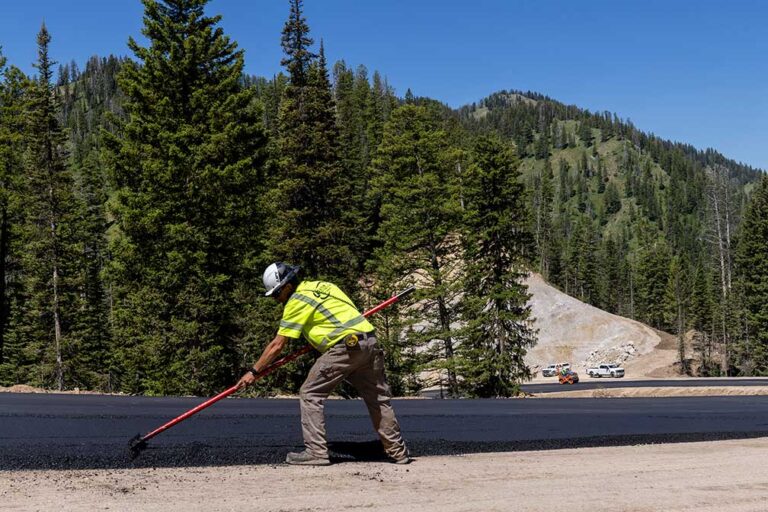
(306,459)
(403,459)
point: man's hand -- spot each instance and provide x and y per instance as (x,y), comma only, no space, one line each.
(246,380)
(270,353)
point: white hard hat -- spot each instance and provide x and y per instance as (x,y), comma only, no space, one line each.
(277,275)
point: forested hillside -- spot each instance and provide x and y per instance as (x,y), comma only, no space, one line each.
(626,221)
(142,197)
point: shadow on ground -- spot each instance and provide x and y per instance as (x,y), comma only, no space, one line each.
(95,456)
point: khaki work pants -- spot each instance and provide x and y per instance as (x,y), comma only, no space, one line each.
(362,366)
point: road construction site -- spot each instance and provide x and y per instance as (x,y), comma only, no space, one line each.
(70,452)
(652,441)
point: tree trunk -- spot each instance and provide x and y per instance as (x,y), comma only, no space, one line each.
(4,303)
(56,305)
(444,317)
(680,332)
(721,208)
(57,330)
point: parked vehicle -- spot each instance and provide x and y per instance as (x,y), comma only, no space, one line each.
(549,370)
(606,370)
(568,377)
(552,369)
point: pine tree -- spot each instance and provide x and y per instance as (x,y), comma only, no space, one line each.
(361,94)
(352,94)
(296,45)
(315,221)
(565,187)
(13,85)
(270,93)
(612,200)
(380,105)
(602,178)
(498,246)
(585,133)
(49,231)
(94,337)
(187,167)
(542,198)
(420,214)
(615,275)
(752,278)
(523,137)
(349,117)
(541,147)
(676,303)
(652,276)
(89,101)
(590,263)
(702,318)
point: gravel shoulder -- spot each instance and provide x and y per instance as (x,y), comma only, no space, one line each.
(658,392)
(728,476)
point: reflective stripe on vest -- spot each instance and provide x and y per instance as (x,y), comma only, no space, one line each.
(291,325)
(340,326)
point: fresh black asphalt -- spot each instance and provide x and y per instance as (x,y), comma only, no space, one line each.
(41,431)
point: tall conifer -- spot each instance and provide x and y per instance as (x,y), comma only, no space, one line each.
(49,231)
(13,85)
(752,279)
(420,215)
(187,168)
(498,249)
(314,214)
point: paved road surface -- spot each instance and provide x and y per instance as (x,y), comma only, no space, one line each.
(92,431)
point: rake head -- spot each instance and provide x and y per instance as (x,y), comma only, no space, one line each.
(137,445)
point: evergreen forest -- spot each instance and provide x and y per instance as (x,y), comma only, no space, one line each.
(142,197)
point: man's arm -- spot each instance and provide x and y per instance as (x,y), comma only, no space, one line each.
(271,351)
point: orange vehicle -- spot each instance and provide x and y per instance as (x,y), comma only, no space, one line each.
(568,377)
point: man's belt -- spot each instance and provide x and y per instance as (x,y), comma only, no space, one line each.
(352,340)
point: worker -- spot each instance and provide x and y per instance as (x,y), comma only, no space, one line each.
(328,319)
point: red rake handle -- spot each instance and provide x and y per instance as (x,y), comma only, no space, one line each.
(266,371)
(389,301)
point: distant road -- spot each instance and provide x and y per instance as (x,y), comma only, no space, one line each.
(590,383)
(92,431)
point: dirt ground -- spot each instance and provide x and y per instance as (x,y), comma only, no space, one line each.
(722,476)
(575,392)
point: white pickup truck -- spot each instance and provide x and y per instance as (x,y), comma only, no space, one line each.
(606,370)
(552,369)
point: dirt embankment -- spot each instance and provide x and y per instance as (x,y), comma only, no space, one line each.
(583,335)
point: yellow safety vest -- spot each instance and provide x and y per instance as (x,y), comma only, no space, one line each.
(322,313)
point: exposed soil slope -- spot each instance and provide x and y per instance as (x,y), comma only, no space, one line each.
(573,331)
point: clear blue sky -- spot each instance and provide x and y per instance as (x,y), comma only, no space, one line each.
(692,71)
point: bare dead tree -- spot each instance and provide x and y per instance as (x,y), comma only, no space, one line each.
(721,220)
(541,204)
